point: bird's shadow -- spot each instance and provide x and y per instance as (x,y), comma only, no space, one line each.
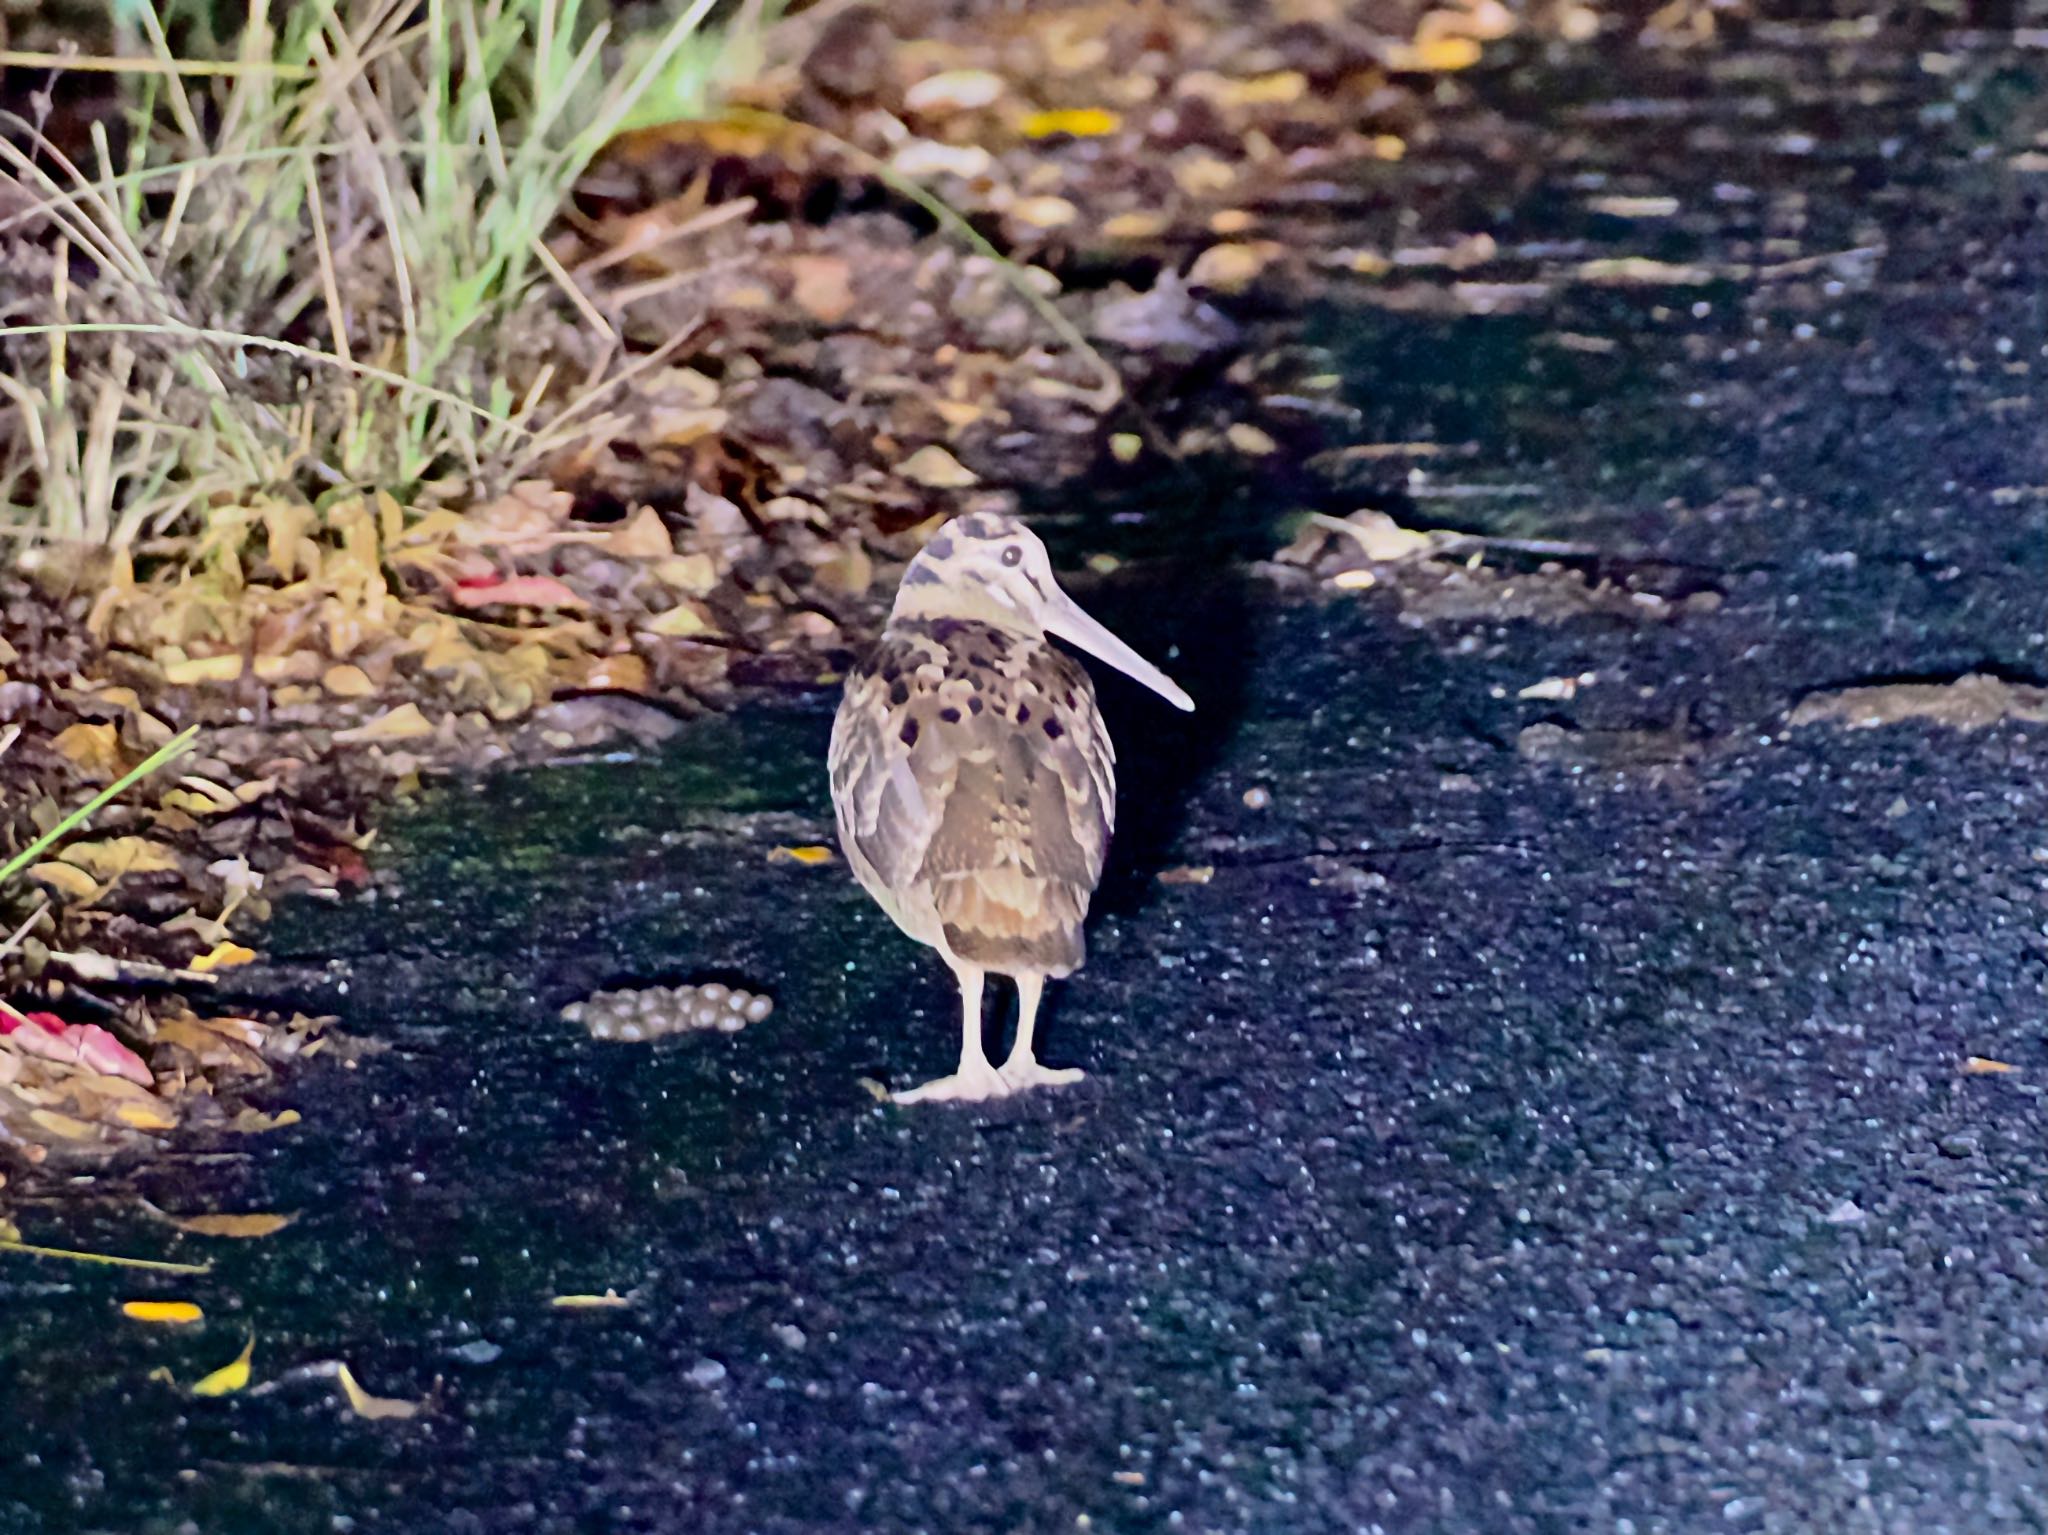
(1198,621)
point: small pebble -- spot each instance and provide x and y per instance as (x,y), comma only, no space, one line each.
(481,1351)
(706,1372)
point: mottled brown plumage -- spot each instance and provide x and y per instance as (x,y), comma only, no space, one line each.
(973,781)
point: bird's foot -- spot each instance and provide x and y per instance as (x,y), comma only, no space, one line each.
(967,1085)
(1022,1073)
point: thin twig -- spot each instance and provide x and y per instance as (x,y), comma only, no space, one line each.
(94,64)
(13,940)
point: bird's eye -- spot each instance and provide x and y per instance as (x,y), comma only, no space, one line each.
(1013,555)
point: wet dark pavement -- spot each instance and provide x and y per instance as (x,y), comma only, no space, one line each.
(1516,1133)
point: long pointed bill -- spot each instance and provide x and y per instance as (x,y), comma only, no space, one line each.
(1063,617)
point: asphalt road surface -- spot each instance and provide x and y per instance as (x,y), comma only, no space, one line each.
(1551,1114)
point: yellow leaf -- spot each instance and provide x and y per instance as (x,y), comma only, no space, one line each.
(1135,226)
(170,1313)
(364,1405)
(61,1124)
(405,723)
(230,1377)
(934,466)
(9,1232)
(1229,268)
(232,1225)
(1984,1066)
(691,574)
(66,880)
(679,622)
(120,855)
(347,681)
(222,957)
(1435,55)
(138,1115)
(95,748)
(192,670)
(1080,123)
(1125,447)
(1249,440)
(809,857)
(610,1300)
(1188,874)
(256,1122)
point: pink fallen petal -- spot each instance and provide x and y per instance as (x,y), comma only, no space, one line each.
(82,1044)
(100,1051)
(517,591)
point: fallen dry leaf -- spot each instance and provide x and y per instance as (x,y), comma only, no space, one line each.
(65,880)
(244,1226)
(810,857)
(1136,226)
(145,1116)
(230,1377)
(404,723)
(1984,1066)
(347,681)
(223,956)
(256,1122)
(642,536)
(63,1126)
(824,287)
(693,575)
(678,623)
(1043,212)
(517,591)
(192,671)
(1434,55)
(932,465)
(610,1300)
(364,1405)
(1231,267)
(921,159)
(119,855)
(168,1313)
(955,90)
(1078,122)
(94,748)
(1188,874)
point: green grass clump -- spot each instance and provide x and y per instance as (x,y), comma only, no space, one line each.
(310,266)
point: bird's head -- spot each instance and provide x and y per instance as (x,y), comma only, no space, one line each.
(992,569)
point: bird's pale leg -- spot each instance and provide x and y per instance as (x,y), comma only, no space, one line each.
(976,1079)
(1022,1070)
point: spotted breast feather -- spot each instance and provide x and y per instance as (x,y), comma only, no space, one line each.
(975,787)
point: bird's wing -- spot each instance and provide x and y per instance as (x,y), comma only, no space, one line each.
(977,767)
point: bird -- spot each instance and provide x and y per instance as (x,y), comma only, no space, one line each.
(974,783)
